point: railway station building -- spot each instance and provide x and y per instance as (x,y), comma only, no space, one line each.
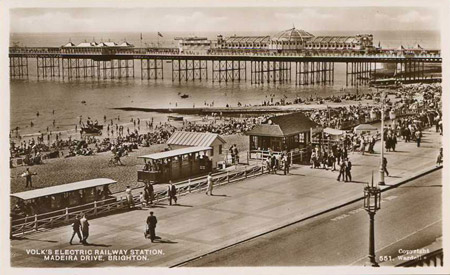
(283,133)
(181,139)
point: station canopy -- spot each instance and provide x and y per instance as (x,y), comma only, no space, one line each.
(177,152)
(63,188)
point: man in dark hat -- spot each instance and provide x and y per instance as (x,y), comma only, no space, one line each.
(151,225)
(76,229)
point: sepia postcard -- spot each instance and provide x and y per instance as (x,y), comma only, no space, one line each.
(212,136)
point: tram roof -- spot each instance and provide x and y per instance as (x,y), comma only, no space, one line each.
(63,188)
(177,152)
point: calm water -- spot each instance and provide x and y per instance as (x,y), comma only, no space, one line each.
(31,96)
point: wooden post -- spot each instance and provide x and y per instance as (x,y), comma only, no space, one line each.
(35,222)
(228,176)
(95,207)
(11,229)
(67,214)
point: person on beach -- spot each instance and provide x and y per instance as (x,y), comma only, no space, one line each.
(84,229)
(172,193)
(76,225)
(151,226)
(209,185)
(27,175)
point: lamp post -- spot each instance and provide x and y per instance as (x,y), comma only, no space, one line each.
(382,141)
(372,203)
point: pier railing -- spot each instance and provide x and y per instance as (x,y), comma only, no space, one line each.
(67,215)
(175,51)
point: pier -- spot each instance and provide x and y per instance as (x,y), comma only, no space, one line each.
(259,68)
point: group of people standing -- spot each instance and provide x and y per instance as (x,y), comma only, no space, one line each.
(276,162)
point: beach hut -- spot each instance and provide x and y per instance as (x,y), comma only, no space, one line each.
(181,139)
(283,133)
(365,129)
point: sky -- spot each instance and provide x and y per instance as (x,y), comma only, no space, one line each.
(223,19)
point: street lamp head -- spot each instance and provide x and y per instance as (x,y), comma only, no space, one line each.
(372,197)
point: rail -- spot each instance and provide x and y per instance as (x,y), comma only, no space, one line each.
(64,216)
(175,51)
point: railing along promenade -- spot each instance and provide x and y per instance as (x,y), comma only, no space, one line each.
(67,215)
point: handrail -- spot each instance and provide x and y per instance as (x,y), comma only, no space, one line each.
(36,222)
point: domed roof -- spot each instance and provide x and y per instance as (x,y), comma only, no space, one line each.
(293,35)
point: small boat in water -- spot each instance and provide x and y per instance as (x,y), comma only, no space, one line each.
(175,118)
(184,96)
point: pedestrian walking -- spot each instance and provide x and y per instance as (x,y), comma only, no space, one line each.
(172,193)
(384,166)
(209,188)
(341,172)
(84,229)
(348,171)
(418,136)
(440,158)
(129,196)
(142,199)
(151,226)
(76,225)
(286,164)
(27,175)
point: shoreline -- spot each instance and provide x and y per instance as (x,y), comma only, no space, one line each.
(245,110)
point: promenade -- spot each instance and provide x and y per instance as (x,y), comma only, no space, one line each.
(238,211)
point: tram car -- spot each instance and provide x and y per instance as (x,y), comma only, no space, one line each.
(176,164)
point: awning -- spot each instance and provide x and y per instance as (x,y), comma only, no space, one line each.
(365,127)
(63,188)
(177,152)
(334,132)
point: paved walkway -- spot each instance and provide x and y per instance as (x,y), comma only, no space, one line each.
(238,211)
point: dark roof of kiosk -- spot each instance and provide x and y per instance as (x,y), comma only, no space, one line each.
(177,152)
(58,189)
(284,125)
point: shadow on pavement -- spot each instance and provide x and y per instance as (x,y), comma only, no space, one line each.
(97,244)
(28,239)
(182,205)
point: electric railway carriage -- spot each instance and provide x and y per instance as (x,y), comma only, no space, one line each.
(51,199)
(175,164)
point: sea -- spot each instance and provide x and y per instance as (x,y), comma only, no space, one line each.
(63,102)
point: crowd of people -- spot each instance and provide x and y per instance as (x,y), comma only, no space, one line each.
(413,106)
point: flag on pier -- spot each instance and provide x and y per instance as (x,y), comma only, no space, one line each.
(159,34)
